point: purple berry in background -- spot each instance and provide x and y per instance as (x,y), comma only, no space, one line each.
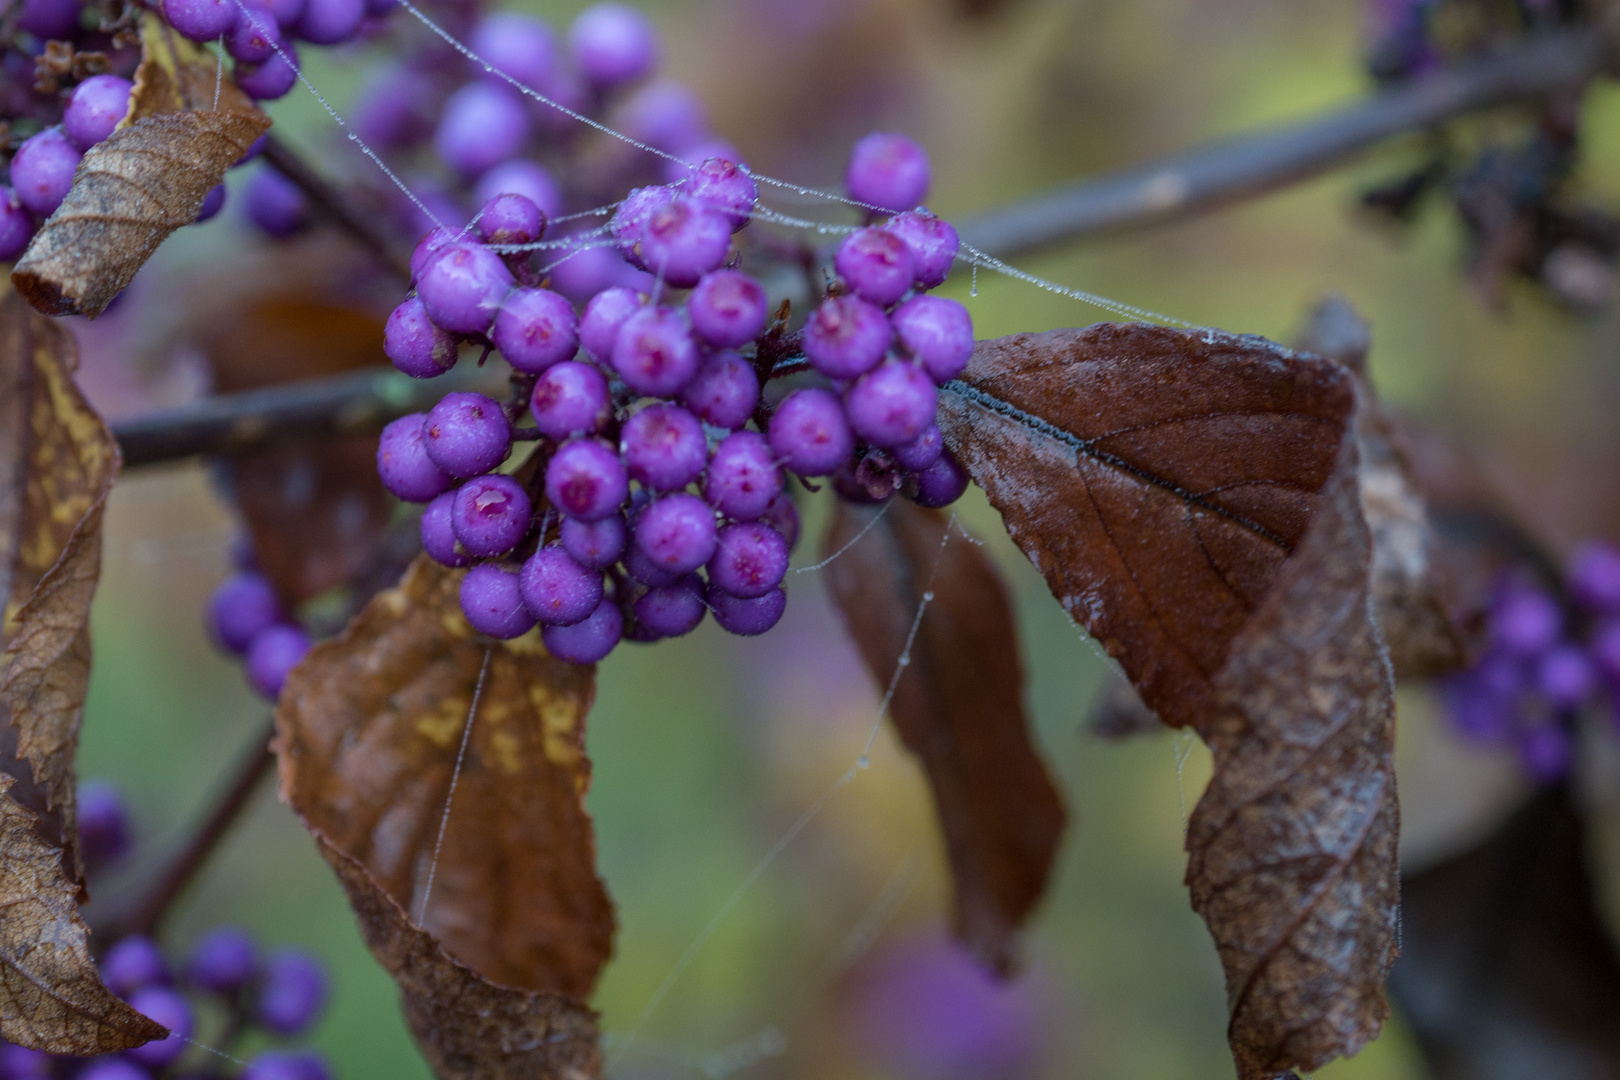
(281,1065)
(275,204)
(1594,577)
(1604,646)
(1479,714)
(95,108)
(666,114)
(613,44)
(42,170)
(491,514)
(172,1011)
(396,107)
(272,656)
(682,240)
(671,610)
(1546,752)
(589,640)
(285,12)
(629,220)
(783,516)
(132,964)
(525,178)
(535,329)
(747,617)
(809,434)
(294,989)
(328,22)
(403,464)
(727,308)
(921,452)
(439,533)
(892,404)
(724,392)
(570,398)
(937,332)
(416,346)
(467,434)
(743,480)
(933,243)
(201,20)
(510,218)
(557,590)
(104,832)
(594,544)
(1566,677)
(255,36)
(1525,620)
(750,559)
(492,603)
(50,18)
(223,960)
(942,483)
(725,186)
(271,78)
(654,353)
(663,447)
(483,125)
(427,247)
(887,171)
(241,608)
(876,264)
(517,45)
(846,337)
(676,533)
(586,480)
(212,204)
(16,226)
(462,287)
(112,1068)
(604,315)
(21,1063)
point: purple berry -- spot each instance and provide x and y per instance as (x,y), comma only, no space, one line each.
(416,346)
(921,452)
(846,337)
(462,287)
(132,964)
(110,1068)
(275,204)
(1594,577)
(403,463)
(613,44)
(557,590)
(16,226)
(493,603)
(47,19)
(223,960)
(725,186)
(1545,752)
(272,656)
(743,479)
(95,108)
(938,333)
(595,544)
(887,171)
(942,483)
(684,239)
(517,45)
(727,308)
(280,1065)
(285,12)
(212,203)
(747,617)
(666,114)
(535,329)
(724,392)
(510,218)
(293,992)
(1525,620)
(255,36)
(671,610)
(483,125)
(809,434)
(570,398)
(933,243)
(427,247)
(876,264)
(586,480)
(750,559)
(241,608)
(329,22)
(654,353)
(1566,677)
(490,516)
(104,831)
(677,533)
(587,641)
(783,516)
(21,1063)
(663,447)
(42,170)
(604,315)
(642,569)
(168,1008)
(467,434)
(629,221)
(439,533)
(892,404)
(201,20)
(395,110)
(271,78)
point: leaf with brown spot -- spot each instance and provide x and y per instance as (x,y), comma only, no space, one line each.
(143,182)
(496,972)
(959,706)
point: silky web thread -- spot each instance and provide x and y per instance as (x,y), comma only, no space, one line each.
(1181,755)
(211,1050)
(852,540)
(455,777)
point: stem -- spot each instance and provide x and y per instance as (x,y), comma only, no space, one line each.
(350,218)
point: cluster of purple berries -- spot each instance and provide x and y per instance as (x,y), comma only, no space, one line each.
(1544,663)
(246,617)
(658,501)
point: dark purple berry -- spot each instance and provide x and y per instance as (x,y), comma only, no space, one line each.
(876,264)
(725,186)
(747,617)
(892,404)
(212,204)
(243,606)
(942,483)
(749,560)
(255,36)
(415,345)
(642,569)
(586,480)
(783,516)
(613,44)
(281,1065)
(490,515)
(887,171)
(95,108)
(223,960)
(16,226)
(846,337)
(47,19)
(557,590)
(629,221)
(933,243)
(743,479)
(1546,753)
(682,240)
(493,603)
(1565,676)
(22,1063)
(596,544)
(168,1008)
(663,447)
(272,77)
(921,452)
(727,308)
(275,204)
(937,332)
(1594,577)
(294,990)
(587,641)
(328,22)
(724,392)
(201,20)
(462,287)
(671,610)
(272,656)
(403,463)
(654,353)
(510,218)
(467,434)
(570,399)
(809,434)
(104,830)
(132,964)
(604,315)
(676,533)
(439,534)
(42,170)
(535,329)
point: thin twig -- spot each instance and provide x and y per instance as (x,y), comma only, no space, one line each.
(331,200)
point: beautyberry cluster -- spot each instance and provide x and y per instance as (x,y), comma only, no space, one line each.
(246,617)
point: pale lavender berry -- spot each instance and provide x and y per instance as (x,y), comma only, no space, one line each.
(201,20)
(279,1065)
(743,479)
(293,992)
(47,19)
(403,463)
(676,533)
(846,337)
(671,610)
(682,240)
(329,22)
(105,1068)
(613,44)
(95,108)
(415,344)
(42,170)
(1565,676)
(654,353)
(570,398)
(809,434)
(490,516)
(877,264)
(587,641)
(595,544)
(16,226)
(942,483)
(462,287)
(666,114)
(629,221)
(467,434)
(750,559)
(535,329)
(724,392)
(272,77)
(921,452)
(438,532)
(255,36)
(586,480)
(272,656)
(933,243)
(275,204)
(1594,577)
(727,308)
(1526,620)
(603,317)
(426,248)
(510,218)
(518,45)
(170,1009)
(132,964)
(483,125)
(557,590)
(525,178)
(747,616)
(783,516)
(887,171)
(223,960)
(243,606)
(892,404)
(663,447)
(725,186)
(492,602)
(212,203)
(937,332)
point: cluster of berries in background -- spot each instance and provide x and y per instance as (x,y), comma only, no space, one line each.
(226,992)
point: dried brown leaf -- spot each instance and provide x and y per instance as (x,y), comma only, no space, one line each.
(495,973)
(959,706)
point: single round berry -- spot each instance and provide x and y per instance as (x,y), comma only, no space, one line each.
(241,608)
(783,516)
(104,832)
(1526,620)
(467,434)
(403,463)
(439,532)
(293,992)
(747,616)
(48,19)
(604,315)
(201,20)
(518,45)
(462,287)
(846,337)
(594,544)
(586,480)
(42,170)
(328,22)
(170,1009)
(570,398)
(223,960)
(286,12)
(887,171)
(1545,751)
(23,1063)
(877,264)
(666,114)
(641,569)
(921,452)
(933,243)
(671,610)
(654,353)
(727,308)
(95,108)
(629,220)
(510,218)
(16,226)
(742,480)
(525,178)
(275,204)
(272,77)
(426,248)
(132,964)
(255,37)
(682,240)
(272,656)
(103,1068)
(942,483)
(892,404)
(212,203)
(725,186)
(938,333)
(724,392)
(493,603)
(557,590)
(809,434)
(589,640)
(1594,577)
(415,344)
(663,447)
(280,1065)
(535,329)
(613,44)
(750,559)
(490,515)
(483,124)
(676,533)
(1566,677)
